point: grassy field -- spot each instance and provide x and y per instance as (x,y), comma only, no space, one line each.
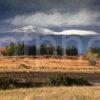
(38,69)
(52,93)
(46,64)
(41,67)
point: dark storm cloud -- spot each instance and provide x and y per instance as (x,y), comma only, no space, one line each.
(29,6)
(75,13)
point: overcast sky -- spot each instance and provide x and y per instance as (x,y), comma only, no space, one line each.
(57,15)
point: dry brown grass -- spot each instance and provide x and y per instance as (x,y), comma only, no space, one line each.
(51,65)
(48,64)
(52,93)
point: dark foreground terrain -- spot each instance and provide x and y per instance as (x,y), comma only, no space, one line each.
(37,79)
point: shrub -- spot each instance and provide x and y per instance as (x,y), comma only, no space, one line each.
(95,50)
(9,82)
(92,62)
(91,57)
(63,80)
(6,82)
(92,54)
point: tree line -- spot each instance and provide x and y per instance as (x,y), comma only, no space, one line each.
(22,49)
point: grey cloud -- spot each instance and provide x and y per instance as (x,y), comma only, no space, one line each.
(83,17)
(26,6)
(66,12)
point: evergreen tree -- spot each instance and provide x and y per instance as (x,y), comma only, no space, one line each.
(71,51)
(59,51)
